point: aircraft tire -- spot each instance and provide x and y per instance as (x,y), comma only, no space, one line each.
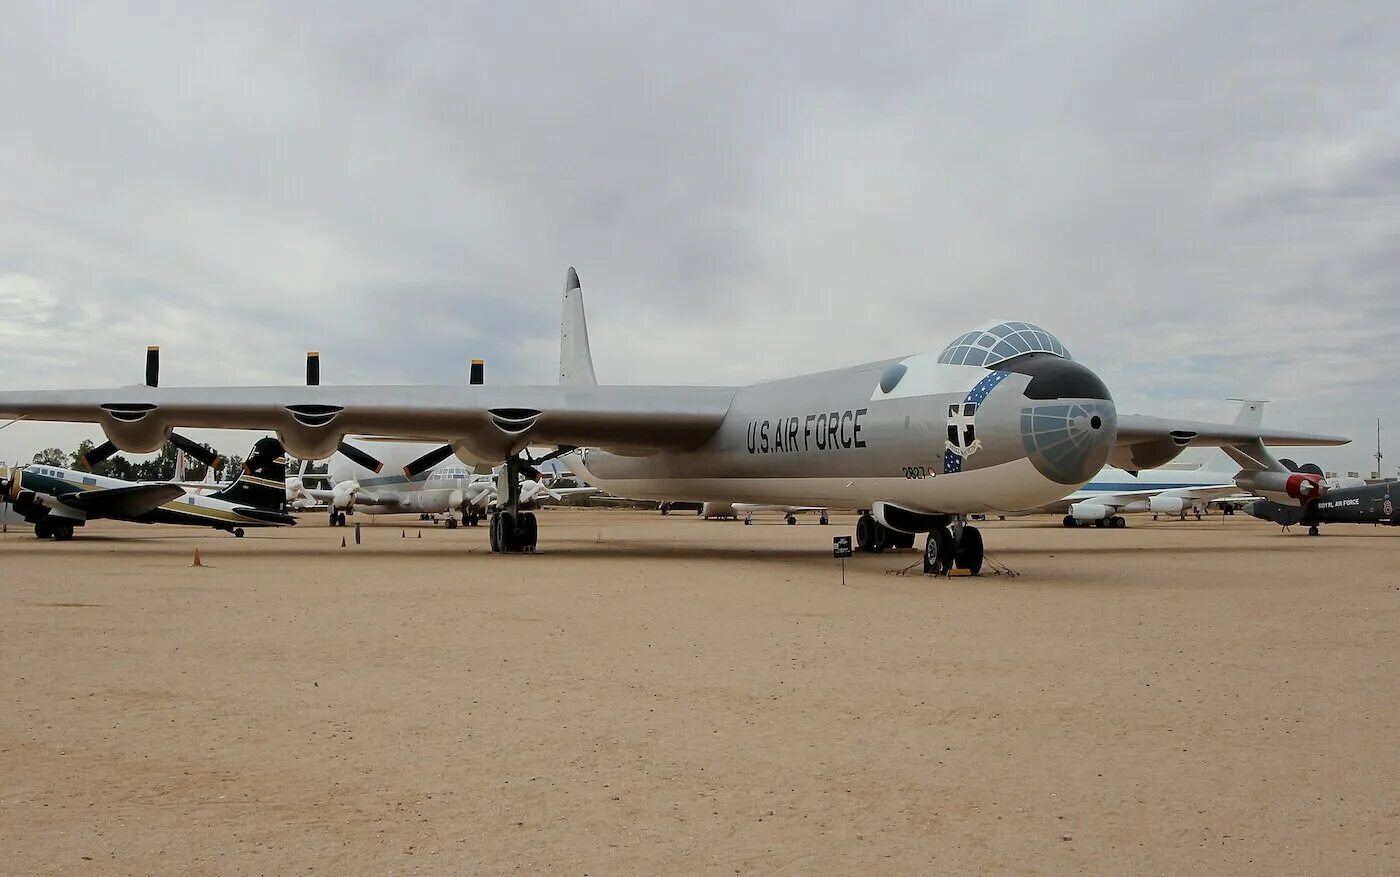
(791,519)
(748,520)
(938,552)
(1118,522)
(62,532)
(1313,531)
(451,523)
(495,528)
(530,539)
(1101,522)
(866,533)
(238,532)
(42,531)
(823,520)
(1070,522)
(968,553)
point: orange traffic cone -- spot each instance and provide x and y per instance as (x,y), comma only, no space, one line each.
(197,561)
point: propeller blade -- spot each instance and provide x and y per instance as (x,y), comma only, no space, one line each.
(478,375)
(427,461)
(13,485)
(313,368)
(153,366)
(196,451)
(1311,469)
(355,455)
(98,454)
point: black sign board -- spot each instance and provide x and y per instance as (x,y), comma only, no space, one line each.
(841,546)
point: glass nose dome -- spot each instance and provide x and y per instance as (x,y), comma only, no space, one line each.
(996,344)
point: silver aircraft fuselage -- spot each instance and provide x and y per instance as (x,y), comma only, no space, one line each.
(925,435)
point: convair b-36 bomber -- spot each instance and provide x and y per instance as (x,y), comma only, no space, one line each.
(1000,420)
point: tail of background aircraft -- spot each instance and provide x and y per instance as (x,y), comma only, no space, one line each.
(1251,416)
(263,482)
(1251,412)
(575,357)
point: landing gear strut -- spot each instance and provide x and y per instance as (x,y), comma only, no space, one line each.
(513,531)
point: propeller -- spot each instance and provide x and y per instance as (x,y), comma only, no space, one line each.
(193,450)
(350,452)
(476,378)
(10,483)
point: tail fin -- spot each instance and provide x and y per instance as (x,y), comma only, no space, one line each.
(1251,412)
(263,482)
(575,357)
(1251,416)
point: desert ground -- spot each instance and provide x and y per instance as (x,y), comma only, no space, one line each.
(670,695)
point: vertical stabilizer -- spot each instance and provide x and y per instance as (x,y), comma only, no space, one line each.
(1251,412)
(575,357)
(1251,416)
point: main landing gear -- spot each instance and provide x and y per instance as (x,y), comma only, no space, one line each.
(1117,522)
(873,536)
(57,531)
(513,531)
(959,546)
(337,518)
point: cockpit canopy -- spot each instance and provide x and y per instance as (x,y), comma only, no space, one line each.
(996,344)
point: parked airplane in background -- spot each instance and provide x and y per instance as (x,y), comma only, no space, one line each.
(448,488)
(1002,419)
(1335,501)
(56,500)
(734,510)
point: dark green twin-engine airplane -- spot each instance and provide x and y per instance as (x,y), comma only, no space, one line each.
(1334,501)
(56,500)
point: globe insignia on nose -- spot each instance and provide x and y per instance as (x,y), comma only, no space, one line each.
(1068,441)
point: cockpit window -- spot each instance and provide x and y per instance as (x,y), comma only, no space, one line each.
(1001,342)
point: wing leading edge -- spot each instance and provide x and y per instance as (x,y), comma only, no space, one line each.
(493,419)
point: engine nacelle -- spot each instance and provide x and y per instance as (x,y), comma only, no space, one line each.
(1166,505)
(309,443)
(343,494)
(1292,488)
(136,429)
(1149,455)
(1089,511)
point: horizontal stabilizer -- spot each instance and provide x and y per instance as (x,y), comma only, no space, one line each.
(266,515)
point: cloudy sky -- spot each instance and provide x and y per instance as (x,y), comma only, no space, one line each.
(1202,202)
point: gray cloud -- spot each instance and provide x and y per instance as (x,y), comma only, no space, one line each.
(1202,201)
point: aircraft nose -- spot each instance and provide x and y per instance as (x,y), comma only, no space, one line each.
(1068,420)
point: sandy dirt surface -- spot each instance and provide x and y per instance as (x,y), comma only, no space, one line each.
(669,695)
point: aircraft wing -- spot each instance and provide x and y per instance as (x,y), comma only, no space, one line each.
(122,502)
(1138,428)
(496,420)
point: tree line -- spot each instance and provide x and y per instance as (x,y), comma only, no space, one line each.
(161,467)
